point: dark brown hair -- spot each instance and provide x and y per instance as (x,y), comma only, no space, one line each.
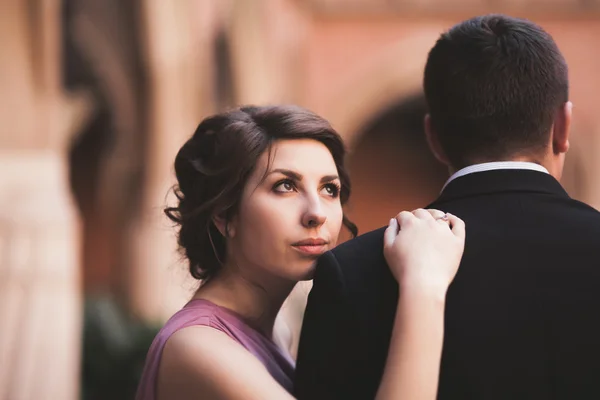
(493,84)
(213,166)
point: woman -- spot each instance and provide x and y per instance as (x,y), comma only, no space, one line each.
(260,192)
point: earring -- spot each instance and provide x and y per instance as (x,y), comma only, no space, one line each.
(213,245)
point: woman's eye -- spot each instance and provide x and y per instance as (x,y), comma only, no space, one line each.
(284,186)
(331,189)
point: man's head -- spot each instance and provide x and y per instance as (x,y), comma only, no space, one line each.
(497,89)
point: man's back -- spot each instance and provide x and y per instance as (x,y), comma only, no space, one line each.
(520,316)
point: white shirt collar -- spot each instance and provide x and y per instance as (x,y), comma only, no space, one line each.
(490,166)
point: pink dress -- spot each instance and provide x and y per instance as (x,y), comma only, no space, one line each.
(205,313)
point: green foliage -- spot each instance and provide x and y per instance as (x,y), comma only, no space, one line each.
(114,350)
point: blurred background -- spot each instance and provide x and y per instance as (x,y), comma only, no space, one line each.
(97,97)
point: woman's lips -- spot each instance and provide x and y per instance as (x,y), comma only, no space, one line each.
(312,246)
(311,249)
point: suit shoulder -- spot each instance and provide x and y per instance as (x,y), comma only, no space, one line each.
(365,273)
(589,210)
(366,249)
(581,215)
(365,242)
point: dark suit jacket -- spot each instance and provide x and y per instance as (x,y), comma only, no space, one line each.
(522,315)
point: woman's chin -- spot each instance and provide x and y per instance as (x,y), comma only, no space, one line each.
(300,271)
(308,273)
(303,272)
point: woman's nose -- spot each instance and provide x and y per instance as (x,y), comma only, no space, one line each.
(315,215)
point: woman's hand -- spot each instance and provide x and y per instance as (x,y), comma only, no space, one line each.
(423,249)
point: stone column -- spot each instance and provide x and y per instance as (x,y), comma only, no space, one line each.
(178,57)
(40,298)
(268,50)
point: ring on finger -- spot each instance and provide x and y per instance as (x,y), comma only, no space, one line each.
(442,217)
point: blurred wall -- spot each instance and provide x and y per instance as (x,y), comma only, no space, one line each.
(98,97)
(350,61)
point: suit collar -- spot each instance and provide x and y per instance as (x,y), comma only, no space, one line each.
(502,181)
(491,166)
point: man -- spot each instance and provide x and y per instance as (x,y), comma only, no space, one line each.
(522,313)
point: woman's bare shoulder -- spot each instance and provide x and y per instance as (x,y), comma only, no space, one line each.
(201,361)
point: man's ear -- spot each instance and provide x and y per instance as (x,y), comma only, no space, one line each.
(434,142)
(561,129)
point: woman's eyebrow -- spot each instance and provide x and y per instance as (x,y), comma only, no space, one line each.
(287,172)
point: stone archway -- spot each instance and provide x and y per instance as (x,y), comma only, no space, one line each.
(375,84)
(391,166)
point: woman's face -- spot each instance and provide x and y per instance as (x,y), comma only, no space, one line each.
(289,214)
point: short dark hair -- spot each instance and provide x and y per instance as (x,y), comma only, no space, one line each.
(214,165)
(493,84)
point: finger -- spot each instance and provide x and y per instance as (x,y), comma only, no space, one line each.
(457,225)
(444,221)
(404,218)
(422,214)
(390,233)
(437,214)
